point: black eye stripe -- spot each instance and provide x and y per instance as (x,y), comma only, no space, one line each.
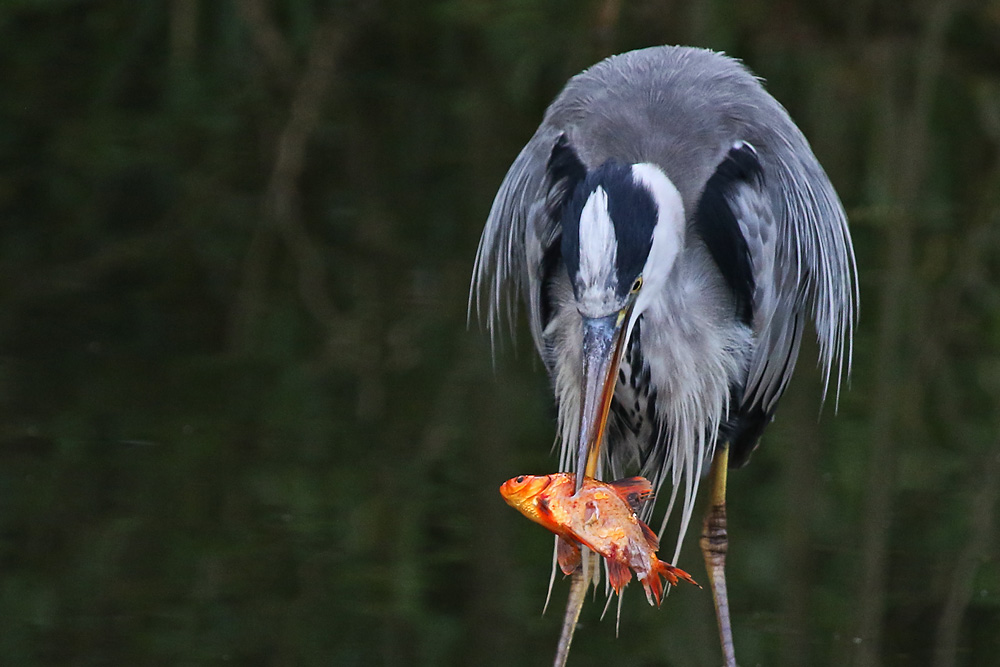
(633,214)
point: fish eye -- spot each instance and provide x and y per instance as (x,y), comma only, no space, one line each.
(636,285)
(520,479)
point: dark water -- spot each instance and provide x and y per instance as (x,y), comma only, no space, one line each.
(242,419)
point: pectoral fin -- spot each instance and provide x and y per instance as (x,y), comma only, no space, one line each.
(568,555)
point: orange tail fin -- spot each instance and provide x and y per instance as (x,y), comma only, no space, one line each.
(653,585)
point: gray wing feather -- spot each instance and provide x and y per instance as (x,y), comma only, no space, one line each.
(516,235)
(809,267)
(776,324)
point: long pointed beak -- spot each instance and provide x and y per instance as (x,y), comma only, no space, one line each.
(603,338)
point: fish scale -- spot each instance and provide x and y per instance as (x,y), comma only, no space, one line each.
(600,516)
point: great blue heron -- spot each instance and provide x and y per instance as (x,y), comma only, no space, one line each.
(670,230)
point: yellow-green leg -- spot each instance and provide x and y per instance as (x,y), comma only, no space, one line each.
(581,581)
(714,545)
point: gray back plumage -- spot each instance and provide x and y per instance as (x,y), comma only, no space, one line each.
(683,109)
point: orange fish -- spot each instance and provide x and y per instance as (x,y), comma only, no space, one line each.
(602,516)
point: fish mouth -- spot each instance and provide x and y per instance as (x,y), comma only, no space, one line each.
(603,343)
(523,495)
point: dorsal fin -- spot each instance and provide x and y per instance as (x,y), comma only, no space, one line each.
(633,490)
(716,222)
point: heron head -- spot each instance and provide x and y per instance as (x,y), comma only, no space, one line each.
(622,229)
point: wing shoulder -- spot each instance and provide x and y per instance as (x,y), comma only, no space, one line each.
(779,237)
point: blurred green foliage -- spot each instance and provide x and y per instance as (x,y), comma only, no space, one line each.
(242,419)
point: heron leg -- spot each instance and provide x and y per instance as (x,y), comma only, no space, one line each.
(582,578)
(714,545)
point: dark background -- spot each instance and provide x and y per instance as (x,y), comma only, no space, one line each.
(242,419)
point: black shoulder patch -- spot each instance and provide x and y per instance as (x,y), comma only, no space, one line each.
(716,224)
(565,170)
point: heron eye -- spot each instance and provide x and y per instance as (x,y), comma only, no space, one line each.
(637,285)
(520,479)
